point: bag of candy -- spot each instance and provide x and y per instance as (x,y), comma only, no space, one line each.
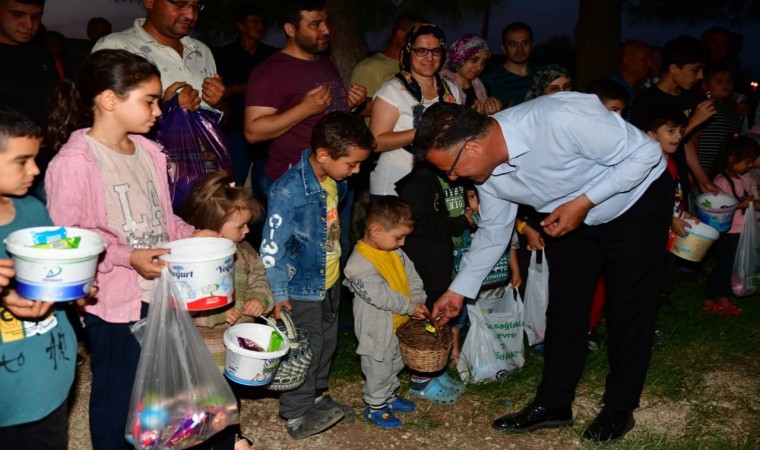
(179,398)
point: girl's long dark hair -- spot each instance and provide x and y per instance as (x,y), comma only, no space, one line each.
(740,148)
(73,104)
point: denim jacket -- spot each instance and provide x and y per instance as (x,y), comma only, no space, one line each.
(294,242)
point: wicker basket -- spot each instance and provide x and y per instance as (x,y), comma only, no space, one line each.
(422,350)
(291,372)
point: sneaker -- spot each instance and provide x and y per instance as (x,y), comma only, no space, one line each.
(313,422)
(436,392)
(398,404)
(326,402)
(447,381)
(383,418)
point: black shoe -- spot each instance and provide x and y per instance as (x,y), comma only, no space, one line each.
(533,417)
(326,402)
(610,425)
(314,421)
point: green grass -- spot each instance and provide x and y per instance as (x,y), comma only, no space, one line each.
(708,365)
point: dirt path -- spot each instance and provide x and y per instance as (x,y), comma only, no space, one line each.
(466,424)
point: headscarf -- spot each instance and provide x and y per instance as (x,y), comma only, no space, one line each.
(407,80)
(463,49)
(543,78)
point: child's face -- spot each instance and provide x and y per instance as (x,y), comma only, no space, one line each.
(345,166)
(17,166)
(669,136)
(615,105)
(720,85)
(388,240)
(138,112)
(688,75)
(740,167)
(236,227)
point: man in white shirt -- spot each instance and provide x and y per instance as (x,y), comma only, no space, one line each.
(601,187)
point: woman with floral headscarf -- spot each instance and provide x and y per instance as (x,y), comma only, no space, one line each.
(465,62)
(550,80)
(399,103)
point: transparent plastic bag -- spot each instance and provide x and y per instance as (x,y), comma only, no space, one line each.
(745,276)
(494,342)
(179,398)
(536,298)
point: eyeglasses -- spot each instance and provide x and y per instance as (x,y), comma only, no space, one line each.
(459,155)
(422,51)
(184,6)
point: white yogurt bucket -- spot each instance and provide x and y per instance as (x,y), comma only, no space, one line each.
(248,367)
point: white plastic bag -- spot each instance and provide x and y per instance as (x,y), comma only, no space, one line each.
(494,343)
(745,277)
(536,299)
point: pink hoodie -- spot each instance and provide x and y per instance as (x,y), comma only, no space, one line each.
(75,198)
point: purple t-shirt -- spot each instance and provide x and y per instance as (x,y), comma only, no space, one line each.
(280,82)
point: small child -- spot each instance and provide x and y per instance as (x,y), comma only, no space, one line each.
(217,204)
(387,291)
(736,156)
(612,95)
(666,126)
(301,253)
(37,342)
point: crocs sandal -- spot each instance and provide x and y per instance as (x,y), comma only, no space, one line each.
(383,418)
(437,393)
(398,404)
(448,382)
(315,421)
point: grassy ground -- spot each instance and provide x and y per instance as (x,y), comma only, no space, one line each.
(702,389)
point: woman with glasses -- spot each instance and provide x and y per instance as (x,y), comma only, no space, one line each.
(399,103)
(465,61)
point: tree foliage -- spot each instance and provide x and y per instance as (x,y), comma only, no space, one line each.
(734,12)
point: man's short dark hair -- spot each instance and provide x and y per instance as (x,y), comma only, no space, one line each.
(390,212)
(240,13)
(516,26)
(684,50)
(663,115)
(291,10)
(14,124)
(338,131)
(607,90)
(406,22)
(445,125)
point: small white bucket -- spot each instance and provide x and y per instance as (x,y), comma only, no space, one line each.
(203,270)
(717,210)
(694,245)
(54,275)
(249,367)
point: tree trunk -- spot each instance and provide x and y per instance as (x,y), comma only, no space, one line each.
(597,40)
(348,45)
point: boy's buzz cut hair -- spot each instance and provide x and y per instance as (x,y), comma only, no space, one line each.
(715,68)
(684,50)
(389,212)
(663,115)
(14,124)
(338,131)
(607,90)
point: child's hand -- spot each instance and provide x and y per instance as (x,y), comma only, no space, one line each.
(690,217)
(420,311)
(679,226)
(145,261)
(253,307)
(205,233)
(516,279)
(744,203)
(232,315)
(278,307)
(6,271)
(535,241)
(23,308)
(702,112)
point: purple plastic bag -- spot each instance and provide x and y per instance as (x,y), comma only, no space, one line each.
(194,144)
